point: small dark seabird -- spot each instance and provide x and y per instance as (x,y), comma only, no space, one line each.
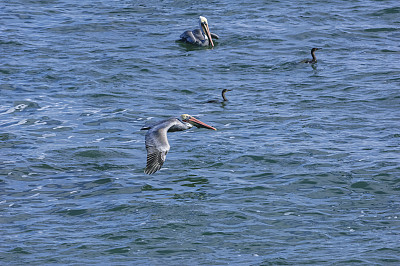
(314,59)
(199,37)
(223,97)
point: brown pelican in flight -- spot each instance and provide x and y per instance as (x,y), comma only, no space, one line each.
(314,59)
(156,138)
(223,97)
(200,37)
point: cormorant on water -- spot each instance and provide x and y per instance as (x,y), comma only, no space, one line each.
(314,59)
(223,97)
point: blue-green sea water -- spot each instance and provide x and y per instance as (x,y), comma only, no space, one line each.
(303,169)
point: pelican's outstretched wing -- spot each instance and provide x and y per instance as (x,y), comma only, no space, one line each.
(157,147)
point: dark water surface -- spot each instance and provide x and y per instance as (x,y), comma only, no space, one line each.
(304,167)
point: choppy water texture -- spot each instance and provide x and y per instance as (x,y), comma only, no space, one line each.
(304,167)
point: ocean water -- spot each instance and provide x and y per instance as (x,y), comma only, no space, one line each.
(303,169)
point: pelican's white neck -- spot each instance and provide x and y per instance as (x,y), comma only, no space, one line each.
(202,22)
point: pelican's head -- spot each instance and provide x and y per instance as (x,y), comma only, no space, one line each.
(203,20)
(205,29)
(195,122)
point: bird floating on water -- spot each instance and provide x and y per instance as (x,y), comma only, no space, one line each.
(223,97)
(314,58)
(199,37)
(157,145)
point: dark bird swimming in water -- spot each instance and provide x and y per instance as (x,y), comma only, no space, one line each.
(314,59)
(199,37)
(157,145)
(223,97)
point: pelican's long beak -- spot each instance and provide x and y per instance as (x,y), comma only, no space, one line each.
(207,31)
(197,123)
